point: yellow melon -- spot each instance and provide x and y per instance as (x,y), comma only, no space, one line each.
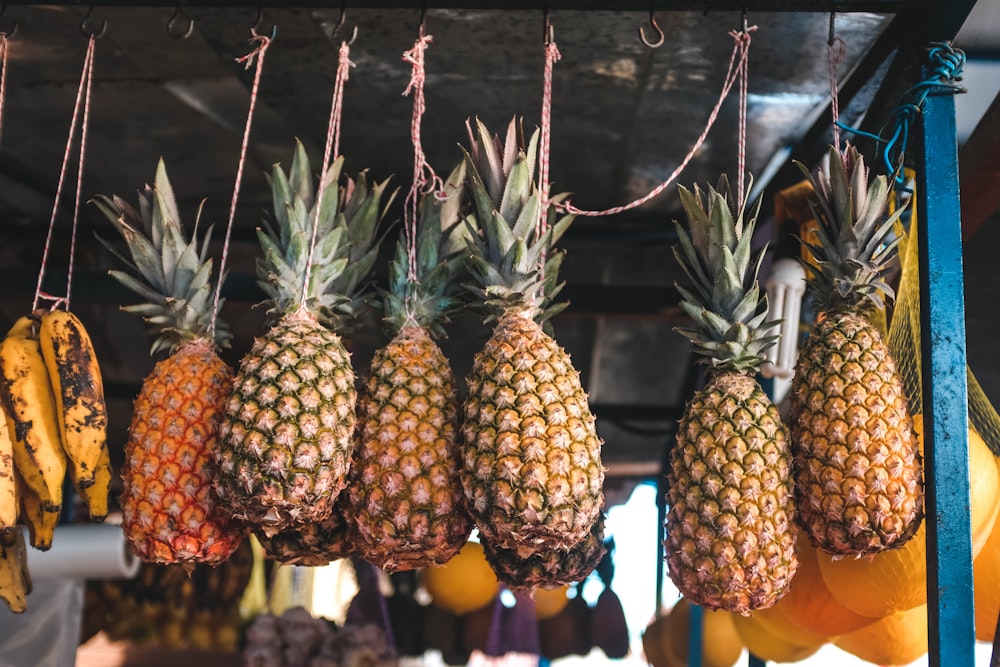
(721,645)
(894,640)
(770,647)
(777,621)
(896,580)
(986,571)
(549,602)
(464,583)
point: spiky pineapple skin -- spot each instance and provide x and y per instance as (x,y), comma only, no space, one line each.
(858,469)
(729,536)
(170,511)
(313,545)
(531,467)
(287,434)
(405,501)
(550,568)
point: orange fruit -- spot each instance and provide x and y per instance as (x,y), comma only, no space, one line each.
(770,647)
(896,580)
(986,589)
(464,583)
(810,605)
(549,602)
(720,644)
(894,640)
(776,621)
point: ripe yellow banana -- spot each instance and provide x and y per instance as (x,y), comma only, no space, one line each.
(41,524)
(30,407)
(96,495)
(15,582)
(76,383)
(8,485)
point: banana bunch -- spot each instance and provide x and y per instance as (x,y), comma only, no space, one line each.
(55,421)
(15,582)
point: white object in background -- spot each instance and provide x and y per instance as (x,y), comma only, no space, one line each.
(785,288)
(85,551)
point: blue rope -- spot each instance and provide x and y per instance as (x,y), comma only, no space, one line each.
(946,72)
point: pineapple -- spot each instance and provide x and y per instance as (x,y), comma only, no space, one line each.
(858,474)
(729,535)
(287,432)
(531,465)
(405,501)
(170,513)
(549,569)
(314,544)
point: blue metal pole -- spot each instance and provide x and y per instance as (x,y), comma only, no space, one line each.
(942,320)
(695,634)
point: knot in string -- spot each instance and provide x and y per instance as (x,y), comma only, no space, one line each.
(945,72)
(260,45)
(737,70)
(425,180)
(742,39)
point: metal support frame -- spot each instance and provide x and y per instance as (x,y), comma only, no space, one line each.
(951,635)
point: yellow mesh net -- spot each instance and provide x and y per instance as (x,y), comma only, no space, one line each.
(904,341)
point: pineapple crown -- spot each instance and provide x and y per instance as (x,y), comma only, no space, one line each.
(346,247)
(855,240)
(172,274)
(427,300)
(725,301)
(512,265)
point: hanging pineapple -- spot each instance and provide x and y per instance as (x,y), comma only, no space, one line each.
(170,513)
(729,537)
(531,466)
(858,474)
(287,432)
(313,544)
(405,500)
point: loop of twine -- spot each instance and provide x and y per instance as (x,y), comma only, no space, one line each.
(836,50)
(4,46)
(740,54)
(260,45)
(330,150)
(424,178)
(82,103)
(741,144)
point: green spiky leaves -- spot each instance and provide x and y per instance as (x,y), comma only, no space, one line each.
(513,266)
(724,300)
(855,240)
(345,243)
(172,274)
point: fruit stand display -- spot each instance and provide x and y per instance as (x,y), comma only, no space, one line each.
(471,507)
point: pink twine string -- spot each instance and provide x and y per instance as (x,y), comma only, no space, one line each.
(4,46)
(744,78)
(552,56)
(331,150)
(836,51)
(424,178)
(82,102)
(741,51)
(260,45)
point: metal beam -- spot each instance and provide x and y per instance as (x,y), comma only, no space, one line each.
(823,6)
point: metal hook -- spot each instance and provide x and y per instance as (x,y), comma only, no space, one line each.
(183,34)
(743,21)
(340,24)
(13,29)
(423,20)
(87,31)
(660,38)
(549,34)
(260,17)
(833,32)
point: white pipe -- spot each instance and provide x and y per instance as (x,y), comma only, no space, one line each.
(85,551)
(785,288)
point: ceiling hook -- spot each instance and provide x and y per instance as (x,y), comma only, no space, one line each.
(255,28)
(833,32)
(660,38)
(743,21)
(423,20)
(340,24)
(549,35)
(183,34)
(87,30)
(13,29)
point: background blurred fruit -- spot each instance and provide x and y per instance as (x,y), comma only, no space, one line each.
(894,640)
(464,583)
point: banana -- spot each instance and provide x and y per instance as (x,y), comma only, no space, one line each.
(30,407)
(41,524)
(8,485)
(15,582)
(76,382)
(96,495)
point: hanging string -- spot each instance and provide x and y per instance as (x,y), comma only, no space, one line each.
(260,45)
(331,150)
(424,178)
(552,56)
(946,72)
(741,51)
(82,99)
(836,50)
(744,79)
(4,46)
(79,172)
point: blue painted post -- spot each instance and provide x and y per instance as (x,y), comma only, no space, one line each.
(754,661)
(695,633)
(942,308)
